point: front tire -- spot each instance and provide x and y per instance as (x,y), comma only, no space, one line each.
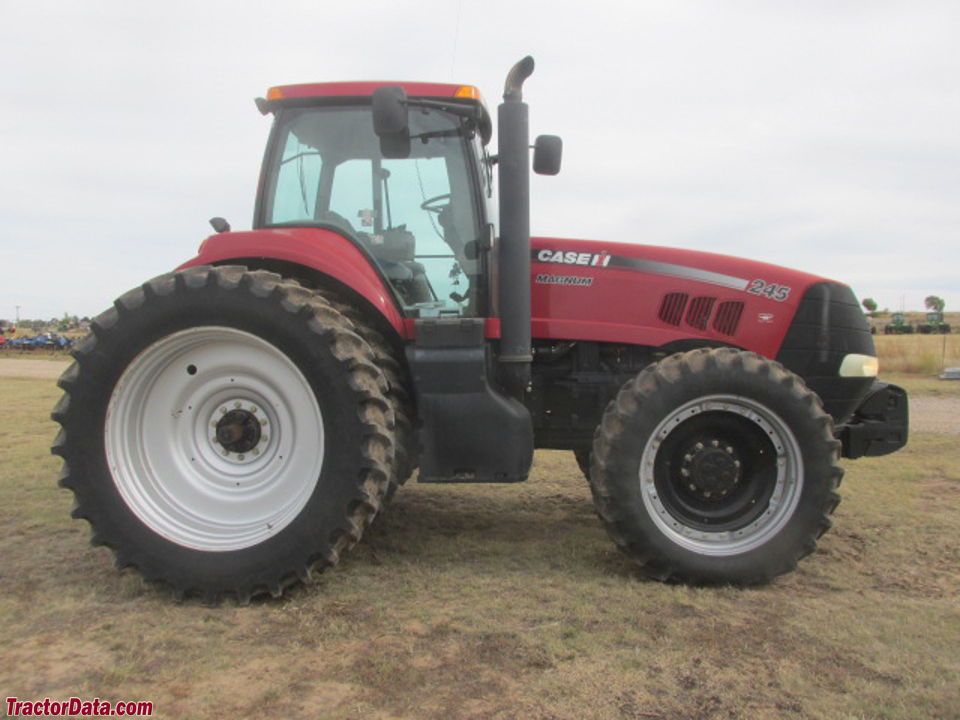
(583,461)
(715,466)
(224,431)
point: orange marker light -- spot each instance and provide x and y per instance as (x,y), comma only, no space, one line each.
(468,91)
(274,93)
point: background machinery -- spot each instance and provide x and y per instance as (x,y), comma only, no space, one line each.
(934,324)
(898,325)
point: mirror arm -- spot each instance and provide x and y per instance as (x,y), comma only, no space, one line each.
(470,112)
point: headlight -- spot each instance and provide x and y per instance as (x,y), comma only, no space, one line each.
(854,365)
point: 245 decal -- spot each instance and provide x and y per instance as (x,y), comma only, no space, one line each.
(770,290)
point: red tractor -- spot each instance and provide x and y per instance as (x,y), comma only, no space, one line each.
(233,425)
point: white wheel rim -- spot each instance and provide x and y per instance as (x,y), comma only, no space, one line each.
(162,448)
(785,495)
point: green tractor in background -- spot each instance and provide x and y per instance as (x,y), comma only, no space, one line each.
(934,324)
(898,325)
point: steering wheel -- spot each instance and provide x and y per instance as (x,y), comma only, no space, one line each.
(436,204)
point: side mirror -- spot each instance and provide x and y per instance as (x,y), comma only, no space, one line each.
(390,121)
(547,153)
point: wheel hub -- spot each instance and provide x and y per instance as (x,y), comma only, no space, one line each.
(239,431)
(711,469)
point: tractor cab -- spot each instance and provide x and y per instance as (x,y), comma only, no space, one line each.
(417,208)
(401,172)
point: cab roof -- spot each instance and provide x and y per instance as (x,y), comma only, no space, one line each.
(366,88)
(308,93)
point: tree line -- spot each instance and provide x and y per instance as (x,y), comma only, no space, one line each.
(931,302)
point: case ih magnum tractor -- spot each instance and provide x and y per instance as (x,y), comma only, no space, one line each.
(231,426)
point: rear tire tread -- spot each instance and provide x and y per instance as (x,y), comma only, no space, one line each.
(398,393)
(365,378)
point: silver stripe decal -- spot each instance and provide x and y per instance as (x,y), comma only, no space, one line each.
(652,267)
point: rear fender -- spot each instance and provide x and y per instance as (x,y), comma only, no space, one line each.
(320,251)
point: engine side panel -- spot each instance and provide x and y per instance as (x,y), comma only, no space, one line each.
(572,384)
(654,296)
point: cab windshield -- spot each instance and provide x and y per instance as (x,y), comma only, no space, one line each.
(414,215)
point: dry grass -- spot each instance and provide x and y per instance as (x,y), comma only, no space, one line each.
(498,602)
(922,354)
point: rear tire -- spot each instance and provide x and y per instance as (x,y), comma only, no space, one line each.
(224,432)
(715,466)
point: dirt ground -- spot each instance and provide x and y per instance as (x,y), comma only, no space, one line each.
(499,603)
(935,414)
(927,413)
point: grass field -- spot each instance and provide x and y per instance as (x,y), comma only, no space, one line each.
(498,602)
(921,354)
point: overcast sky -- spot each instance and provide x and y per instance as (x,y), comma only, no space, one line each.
(819,135)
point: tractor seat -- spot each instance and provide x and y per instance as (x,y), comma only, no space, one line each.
(407,270)
(337,221)
(409,278)
(396,271)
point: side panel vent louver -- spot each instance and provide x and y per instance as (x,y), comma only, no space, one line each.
(728,317)
(672,307)
(699,313)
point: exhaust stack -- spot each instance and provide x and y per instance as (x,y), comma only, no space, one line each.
(513,255)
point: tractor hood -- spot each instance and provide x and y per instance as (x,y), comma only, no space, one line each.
(650,295)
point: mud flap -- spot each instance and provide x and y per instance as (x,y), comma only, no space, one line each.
(470,431)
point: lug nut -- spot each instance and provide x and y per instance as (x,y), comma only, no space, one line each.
(236,405)
(253,408)
(256,451)
(240,457)
(223,411)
